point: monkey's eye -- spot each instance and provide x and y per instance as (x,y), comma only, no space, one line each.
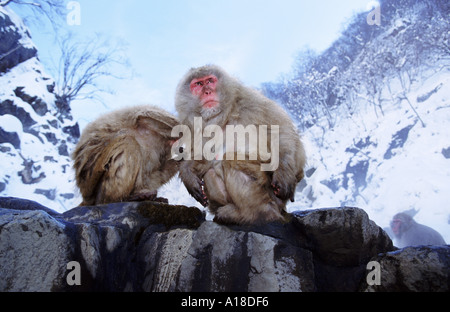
(210,80)
(199,83)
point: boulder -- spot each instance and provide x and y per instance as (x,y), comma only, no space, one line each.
(148,246)
(412,269)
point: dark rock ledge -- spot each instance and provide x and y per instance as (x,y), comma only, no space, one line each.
(150,246)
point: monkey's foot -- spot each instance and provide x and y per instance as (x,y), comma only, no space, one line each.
(143,196)
(161,200)
(227,215)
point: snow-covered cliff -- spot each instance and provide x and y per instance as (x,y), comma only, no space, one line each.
(37,132)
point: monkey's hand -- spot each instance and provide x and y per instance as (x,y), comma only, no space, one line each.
(198,192)
(283,185)
(193,184)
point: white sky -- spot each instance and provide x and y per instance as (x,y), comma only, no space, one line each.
(254,40)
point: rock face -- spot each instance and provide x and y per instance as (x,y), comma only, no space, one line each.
(151,246)
(15,47)
(37,131)
(423,268)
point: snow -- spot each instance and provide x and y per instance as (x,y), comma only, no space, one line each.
(59,177)
(32,77)
(416,176)
(11,123)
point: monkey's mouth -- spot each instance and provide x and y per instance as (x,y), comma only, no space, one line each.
(210,104)
(210,111)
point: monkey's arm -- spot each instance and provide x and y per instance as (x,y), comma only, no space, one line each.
(290,169)
(192,179)
(284,183)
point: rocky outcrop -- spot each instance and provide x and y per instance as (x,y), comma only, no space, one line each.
(151,246)
(37,131)
(421,268)
(15,44)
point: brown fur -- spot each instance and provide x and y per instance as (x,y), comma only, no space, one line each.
(238,191)
(124,155)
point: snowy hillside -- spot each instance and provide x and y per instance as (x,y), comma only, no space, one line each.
(36,132)
(374,111)
(386,165)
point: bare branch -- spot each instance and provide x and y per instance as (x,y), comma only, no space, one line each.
(82,64)
(5,3)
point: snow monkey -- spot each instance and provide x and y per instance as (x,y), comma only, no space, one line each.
(408,232)
(238,185)
(125,155)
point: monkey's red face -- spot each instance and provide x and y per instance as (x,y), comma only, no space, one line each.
(395,226)
(205,89)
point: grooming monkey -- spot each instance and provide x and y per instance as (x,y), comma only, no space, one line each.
(238,191)
(125,156)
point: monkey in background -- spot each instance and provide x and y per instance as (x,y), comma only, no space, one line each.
(408,232)
(237,191)
(125,155)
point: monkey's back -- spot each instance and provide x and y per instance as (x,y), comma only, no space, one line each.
(123,148)
(419,234)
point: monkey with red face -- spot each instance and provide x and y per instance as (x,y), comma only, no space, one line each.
(238,190)
(408,232)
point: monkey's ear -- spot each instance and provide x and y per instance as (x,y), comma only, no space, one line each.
(159,123)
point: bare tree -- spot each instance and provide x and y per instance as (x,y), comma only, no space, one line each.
(82,64)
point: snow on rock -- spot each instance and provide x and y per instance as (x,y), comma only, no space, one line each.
(15,41)
(35,136)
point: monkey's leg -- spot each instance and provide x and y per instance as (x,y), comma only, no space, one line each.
(250,200)
(215,190)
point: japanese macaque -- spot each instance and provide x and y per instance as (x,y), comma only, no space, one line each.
(408,232)
(125,155)
(238,185)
